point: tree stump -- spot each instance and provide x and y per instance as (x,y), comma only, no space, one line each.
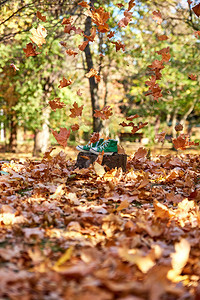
(116,160)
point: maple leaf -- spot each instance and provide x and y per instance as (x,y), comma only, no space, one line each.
(100,17)
(94,138)
(54,104)
(182,142)
(76,111)
(70,52)
(62,136)
(157,17)
(64,44)
(39,35)
(131,4)
(123,124)
(140,153)
(156,64)
(111,34)
(119,45)
(83,45)
(92,36)
(196,9)
(30,50)
(75,127)
(39,16)
(160,136)
(162,37)
(64,82)
(79,93)
(192,76)
(152,81)
(84,4)
(104,113)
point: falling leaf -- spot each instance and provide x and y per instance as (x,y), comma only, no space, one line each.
(182,142)
(92,36)
(76,111)
(197,34)
(157,17)
(104,113)
(68,28)
(196,9)
(64,44)
(79,93)
(162,37)
(70,52)
(62,136)
(93,73)
(130,118)
(84,4)
(94,138)
(119,45)
(99,169)
(39,16)
(75,127)
(39,35)
(120,5)
(192,76)
(140,153)
(178,127)
(100,17)
(111,34)
(30,50)
(160,137)
(54,104)
(131,4)
(64,82)
(83,45)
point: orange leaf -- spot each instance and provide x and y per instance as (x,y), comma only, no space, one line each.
(92,36)
(104,113)
(70,52)
(192,76)
(54,104)
(91,73)
(111,34)
(140,153)
(64,82)
(68,28)
(75,127)
(62,136)
(84,4)
(76,111)
(124,124)
(83,45)
(67,21)
(119,46)
(119,5)
(100,17)
(39,35)
(123,205)
(197,34)
(196,9)
(157,17)
(182,142)
(39,15)
(163,37)
(94,138)
(30,50)
(130,118)
(64,44)
(131,4)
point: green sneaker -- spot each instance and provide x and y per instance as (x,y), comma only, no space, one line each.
(87,147)
(108,146)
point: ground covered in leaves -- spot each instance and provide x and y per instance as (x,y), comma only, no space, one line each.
(100,234)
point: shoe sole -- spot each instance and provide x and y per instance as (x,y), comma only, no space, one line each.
(80,149)
(105,153)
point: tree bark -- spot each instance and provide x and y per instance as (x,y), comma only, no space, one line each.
(12,147)
(97,124)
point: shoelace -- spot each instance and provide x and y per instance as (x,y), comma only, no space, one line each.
(103,145)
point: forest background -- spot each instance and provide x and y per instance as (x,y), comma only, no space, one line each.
(27,88)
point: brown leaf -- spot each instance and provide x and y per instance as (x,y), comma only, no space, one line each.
(65,82)
(62,136)
(39,16)
(157,17)
(75,127)
(54,104)
(30,50)
(196,9)
(76,111)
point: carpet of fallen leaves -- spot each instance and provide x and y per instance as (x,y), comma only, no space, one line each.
(69,233)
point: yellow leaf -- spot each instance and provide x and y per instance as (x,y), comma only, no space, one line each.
(99,169)
(124,204)
(66,256)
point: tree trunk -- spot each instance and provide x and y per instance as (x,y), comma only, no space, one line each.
(13,135)
(97,124)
